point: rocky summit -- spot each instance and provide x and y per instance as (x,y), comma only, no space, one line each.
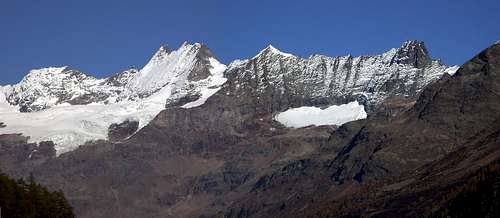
(429,142)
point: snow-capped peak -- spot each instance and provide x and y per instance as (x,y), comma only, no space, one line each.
(160,54)
(80,108)
(164,68)
(46,71)
(271,49)
(413,53)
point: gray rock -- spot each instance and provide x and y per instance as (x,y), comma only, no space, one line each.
(121,131)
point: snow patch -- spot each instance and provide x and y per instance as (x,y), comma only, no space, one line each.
(452,70)
(333,115)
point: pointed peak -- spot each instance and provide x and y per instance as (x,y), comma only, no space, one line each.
(272,50)
(412,43)
(49,70)
(415,46)
(186,44)
(200,50)
(413,52)
(497,42)
(161,53)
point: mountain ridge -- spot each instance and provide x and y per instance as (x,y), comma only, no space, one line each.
(188,76)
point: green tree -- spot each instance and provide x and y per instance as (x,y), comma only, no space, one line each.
(31,200)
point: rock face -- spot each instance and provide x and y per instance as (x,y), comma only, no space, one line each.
(18,157)
(121,131)
(321,80)
(412,53)
(44,150)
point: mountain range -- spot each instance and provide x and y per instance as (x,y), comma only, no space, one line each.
(86,107)
(186,136)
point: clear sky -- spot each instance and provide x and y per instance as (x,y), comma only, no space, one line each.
(102,37)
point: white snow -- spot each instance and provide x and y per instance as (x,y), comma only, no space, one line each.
(333,115)
(273,50)
(165,69)
(69,126)
(452,70)
(3,91)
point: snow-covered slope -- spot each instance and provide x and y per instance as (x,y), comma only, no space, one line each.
(333,115)
(70,108)
(188,67)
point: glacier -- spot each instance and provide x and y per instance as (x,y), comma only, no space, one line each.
(332,115)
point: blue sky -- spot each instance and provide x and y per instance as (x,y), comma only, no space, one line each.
(104,37)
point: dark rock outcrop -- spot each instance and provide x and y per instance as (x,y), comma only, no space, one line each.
(121,131)
(44,150)
(413,53)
